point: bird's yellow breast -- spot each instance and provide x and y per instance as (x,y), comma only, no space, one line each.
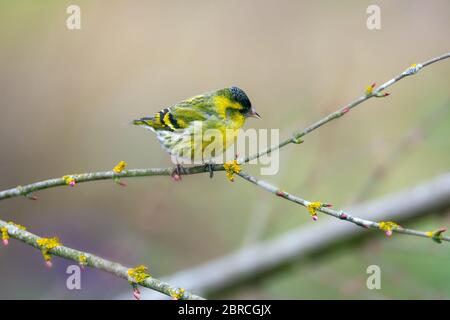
(229,121)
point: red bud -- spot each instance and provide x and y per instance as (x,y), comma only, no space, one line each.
(280,193)
(136,293)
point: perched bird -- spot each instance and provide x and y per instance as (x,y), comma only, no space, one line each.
(218,112)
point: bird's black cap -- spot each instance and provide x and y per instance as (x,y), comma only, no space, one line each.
(240,96)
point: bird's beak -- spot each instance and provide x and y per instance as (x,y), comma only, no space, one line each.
(254,114)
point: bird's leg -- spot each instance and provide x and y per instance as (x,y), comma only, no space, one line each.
(210,167)
(177,172)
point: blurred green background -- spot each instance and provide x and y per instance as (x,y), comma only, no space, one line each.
(66,98)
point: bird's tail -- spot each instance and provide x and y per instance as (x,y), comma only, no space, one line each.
(147,121)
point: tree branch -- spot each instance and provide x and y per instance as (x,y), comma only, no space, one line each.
(105,175)
(94,261)
(341,214)
(252,261)
(95,176)
(373,92)
(158,285)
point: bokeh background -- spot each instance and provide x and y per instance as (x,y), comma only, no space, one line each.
(66,98)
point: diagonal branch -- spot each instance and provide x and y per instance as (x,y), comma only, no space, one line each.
(100,175)
(158,285)
(436,235)
(268,257)
(373,92)
(105,175)
(96,262)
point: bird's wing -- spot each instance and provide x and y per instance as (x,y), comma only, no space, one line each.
(179,116)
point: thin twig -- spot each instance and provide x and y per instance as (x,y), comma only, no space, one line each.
(268,257)
(101,175)
(85,177)
(158,285)
(95,262)
(376,92)
(336,214)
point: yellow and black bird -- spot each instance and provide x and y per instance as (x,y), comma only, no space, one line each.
(223,110)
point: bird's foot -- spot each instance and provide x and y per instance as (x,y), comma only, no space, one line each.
(210,168)
(177,172)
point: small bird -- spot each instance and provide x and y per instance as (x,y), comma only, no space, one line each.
(223,111)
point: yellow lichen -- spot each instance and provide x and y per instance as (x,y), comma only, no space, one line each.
(120,167)
(177,294)
(17,225)
(231,167)
(313,207)
(387,226)
(47,244)
(4,231)
(82,259)
(69,180)
(5,235)
(138,274)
